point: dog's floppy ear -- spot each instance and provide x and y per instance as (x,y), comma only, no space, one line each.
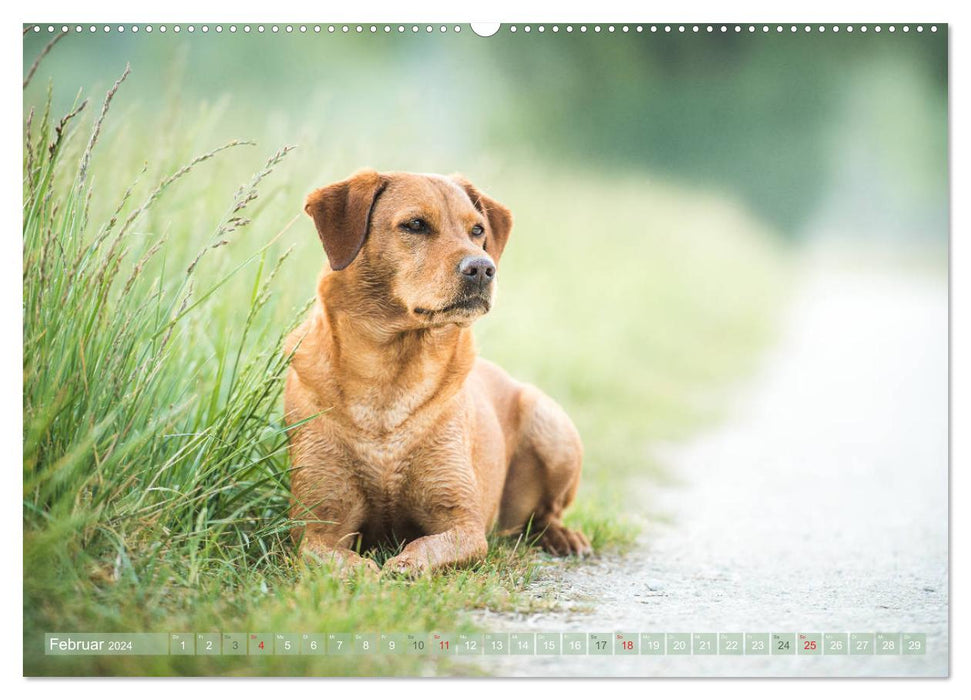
(342,215)
(498,216)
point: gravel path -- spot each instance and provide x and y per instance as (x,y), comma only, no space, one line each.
(821,507)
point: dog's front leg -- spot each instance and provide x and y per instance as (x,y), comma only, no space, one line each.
(327,547)
(456,546)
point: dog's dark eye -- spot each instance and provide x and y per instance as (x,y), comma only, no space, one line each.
(477,230)
(415,226)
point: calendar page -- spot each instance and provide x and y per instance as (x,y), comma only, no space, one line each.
(517,349)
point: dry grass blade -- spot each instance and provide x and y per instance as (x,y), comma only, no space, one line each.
(164,184)
(59,129)
(46,50)
(86,158)
(29,146)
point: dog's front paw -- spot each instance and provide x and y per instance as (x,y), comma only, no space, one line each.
(344,563)
(561,541)
(406,564)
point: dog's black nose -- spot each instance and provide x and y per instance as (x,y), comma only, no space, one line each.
(478,269)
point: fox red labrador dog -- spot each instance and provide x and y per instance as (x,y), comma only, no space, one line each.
(399,432)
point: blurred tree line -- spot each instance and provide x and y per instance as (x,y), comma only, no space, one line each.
(752,113)
(792,123)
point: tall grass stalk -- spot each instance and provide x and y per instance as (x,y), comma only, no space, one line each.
(138,448)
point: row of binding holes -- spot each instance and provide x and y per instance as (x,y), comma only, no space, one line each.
(428,28)
(713,28)
(259,28)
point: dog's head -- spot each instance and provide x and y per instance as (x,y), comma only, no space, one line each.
(420,250)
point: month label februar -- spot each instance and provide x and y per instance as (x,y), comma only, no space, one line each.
(105,644)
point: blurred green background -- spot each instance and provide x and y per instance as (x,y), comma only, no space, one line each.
(806,129)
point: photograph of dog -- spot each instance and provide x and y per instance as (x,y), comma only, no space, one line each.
(669,357)
(405,434)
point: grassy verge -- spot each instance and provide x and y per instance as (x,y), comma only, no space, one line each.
(157,287)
